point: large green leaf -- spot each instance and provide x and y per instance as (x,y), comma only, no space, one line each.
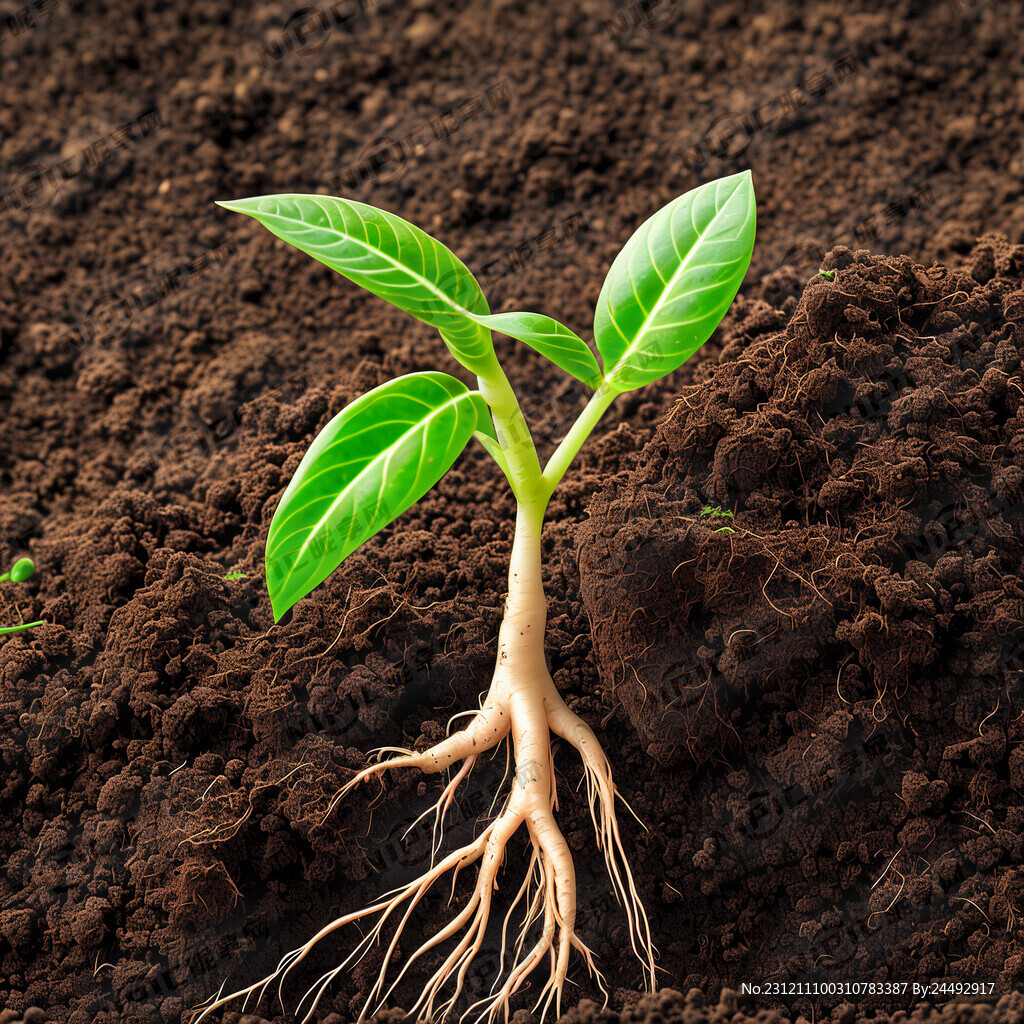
(387,256)
(671,284)
(551,339)
(377,457)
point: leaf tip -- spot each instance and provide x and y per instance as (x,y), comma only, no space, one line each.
(743,179)
(279,605)
(235,205)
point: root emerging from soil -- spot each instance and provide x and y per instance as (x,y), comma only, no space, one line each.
(524,707)
(546,898)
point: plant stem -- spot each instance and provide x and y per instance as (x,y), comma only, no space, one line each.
(17,629)
(521,636)
(512,430)
(573,441)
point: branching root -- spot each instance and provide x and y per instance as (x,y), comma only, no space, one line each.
(545,903)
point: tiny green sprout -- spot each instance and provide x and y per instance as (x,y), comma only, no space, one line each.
(827,274)
(23,569)
(663,297)
(235,576)
(717,512)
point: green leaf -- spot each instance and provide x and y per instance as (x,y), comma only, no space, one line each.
(551,339)
(387,256)
(377,457)
(671,284)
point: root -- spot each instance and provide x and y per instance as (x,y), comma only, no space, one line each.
(601,792)
(546,897)
(442,807)
(388,903)
(490,725)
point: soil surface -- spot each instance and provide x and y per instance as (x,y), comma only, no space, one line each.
(833,797)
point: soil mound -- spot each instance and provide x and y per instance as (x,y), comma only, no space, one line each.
(807,597)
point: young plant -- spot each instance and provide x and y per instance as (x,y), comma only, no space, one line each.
(664,295)
(717,512)
(23,569)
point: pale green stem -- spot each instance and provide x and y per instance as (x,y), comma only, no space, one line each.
(573,441)
(530,485)
(512,430)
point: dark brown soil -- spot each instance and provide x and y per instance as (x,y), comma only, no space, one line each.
(168,753)
(807,597)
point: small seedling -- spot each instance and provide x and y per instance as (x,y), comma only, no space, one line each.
(664,295)
(827,274)
(235,576)
(22,570)
(717,512)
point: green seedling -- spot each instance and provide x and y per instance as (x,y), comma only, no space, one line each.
(235,576)
(23,569)
(664,295)
(717,512)
(827,274)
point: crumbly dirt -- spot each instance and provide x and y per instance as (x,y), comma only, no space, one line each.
(168,753)
(807,598)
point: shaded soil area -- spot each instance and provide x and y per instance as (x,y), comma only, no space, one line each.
(168,754)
